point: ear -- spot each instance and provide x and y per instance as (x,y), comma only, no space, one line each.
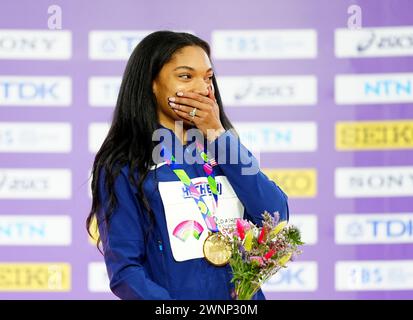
(154,87)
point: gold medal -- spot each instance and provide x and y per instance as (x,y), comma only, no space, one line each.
(217,250)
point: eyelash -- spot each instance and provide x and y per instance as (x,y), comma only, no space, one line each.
(182,75)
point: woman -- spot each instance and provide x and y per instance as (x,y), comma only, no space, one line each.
(141,203)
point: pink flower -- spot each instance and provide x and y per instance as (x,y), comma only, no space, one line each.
(240,229)
(245,224)
(258,259)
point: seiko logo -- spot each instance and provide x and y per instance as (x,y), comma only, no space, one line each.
(35,277)
(295,182)
(376,134)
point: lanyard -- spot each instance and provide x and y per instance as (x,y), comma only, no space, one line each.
(195,194)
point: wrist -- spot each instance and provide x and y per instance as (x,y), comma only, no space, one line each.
(215,134)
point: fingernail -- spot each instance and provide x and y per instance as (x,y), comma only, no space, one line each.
(179,93)
(171,98)
(172,104)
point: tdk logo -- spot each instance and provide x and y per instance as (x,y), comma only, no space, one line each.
(374,228)
(203,188)
(290,277)
(36,91)
(29,90)
(391,228)
(377,228)
(355,230)
(388,87)
(299,276)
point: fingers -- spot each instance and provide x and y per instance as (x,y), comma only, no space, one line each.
(177,101)
(195,96)
(187,110)
(189,96)
(185,102)
(185,115)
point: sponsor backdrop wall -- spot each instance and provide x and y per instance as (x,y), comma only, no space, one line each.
(326,107)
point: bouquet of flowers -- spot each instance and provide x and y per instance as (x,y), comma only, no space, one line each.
(260,252)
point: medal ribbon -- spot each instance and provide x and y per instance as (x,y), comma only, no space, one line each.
(207,215)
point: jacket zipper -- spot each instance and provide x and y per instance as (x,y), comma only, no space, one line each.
(161,250)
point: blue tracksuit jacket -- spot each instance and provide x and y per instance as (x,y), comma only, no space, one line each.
(140,269)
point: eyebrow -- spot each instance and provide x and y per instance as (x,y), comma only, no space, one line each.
(189,68)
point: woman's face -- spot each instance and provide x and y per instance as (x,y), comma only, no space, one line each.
(188,70)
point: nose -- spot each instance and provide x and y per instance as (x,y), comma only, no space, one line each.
(203,88)
(203,92)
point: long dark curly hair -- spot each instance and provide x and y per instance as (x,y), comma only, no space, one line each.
(129,140)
